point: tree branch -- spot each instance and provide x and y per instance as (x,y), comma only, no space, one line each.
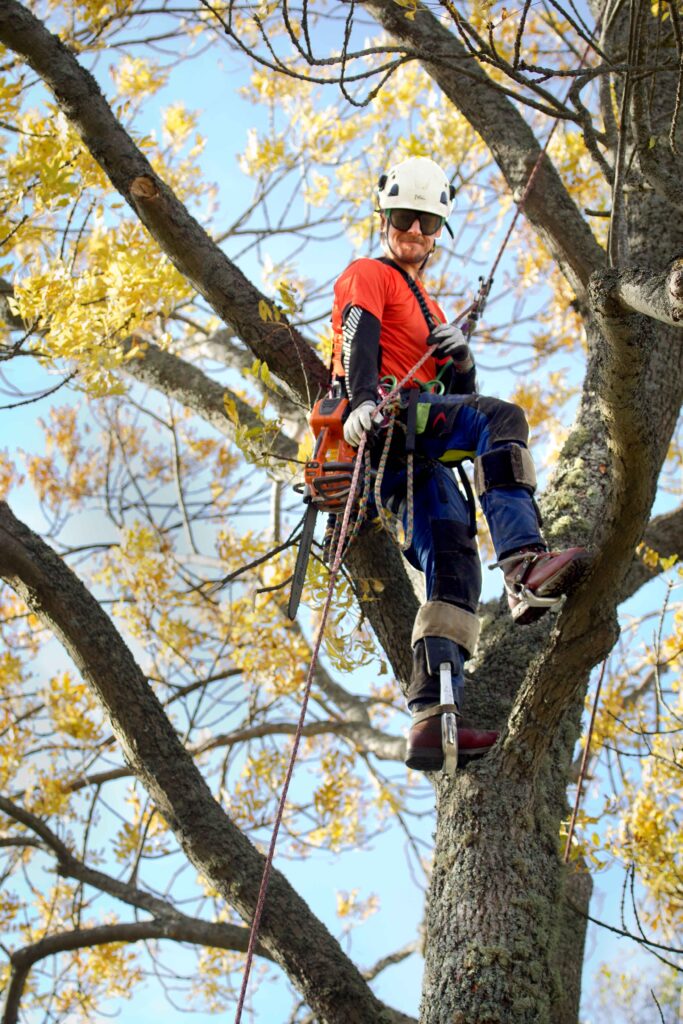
(549,207)
(665,536)
(616,406)
(367,739)
(181,380)
(184,241)
(329,982)
(229,937)
(190,386)
(359,733)
(637,290)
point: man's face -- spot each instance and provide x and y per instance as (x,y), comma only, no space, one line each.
(411,234)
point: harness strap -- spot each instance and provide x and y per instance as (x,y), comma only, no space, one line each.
(469,498)
(432,322)
(434,711)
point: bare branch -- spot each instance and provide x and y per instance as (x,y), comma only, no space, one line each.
(549,206)
(204,831)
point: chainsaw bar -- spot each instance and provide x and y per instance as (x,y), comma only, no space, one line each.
(299,577)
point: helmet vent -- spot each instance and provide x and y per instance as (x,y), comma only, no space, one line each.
(416,184)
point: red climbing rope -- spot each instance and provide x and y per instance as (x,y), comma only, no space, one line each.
(472,314)
(334,572)
(584,766)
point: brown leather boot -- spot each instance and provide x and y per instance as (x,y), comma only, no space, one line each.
(425,753)
(536,580)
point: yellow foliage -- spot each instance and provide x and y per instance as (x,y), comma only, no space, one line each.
(339,803)
(99,972)
(8,474)
(47,794)
(179,123)
(264,154)
(9,909)
(350,906)
(316,190)
(135,76)
(89,282)
(74,710)
(88,315)
(653,560)
(144,834)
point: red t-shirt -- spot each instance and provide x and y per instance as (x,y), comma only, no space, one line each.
(382,291)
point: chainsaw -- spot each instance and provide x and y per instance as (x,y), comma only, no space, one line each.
(327,480)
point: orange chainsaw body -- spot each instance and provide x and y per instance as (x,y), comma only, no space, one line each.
(328,472)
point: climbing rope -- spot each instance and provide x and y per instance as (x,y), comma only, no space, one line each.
(334,571)
(468,317)
(584,766)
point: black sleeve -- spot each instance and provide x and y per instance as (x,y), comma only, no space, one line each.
(456,383)
(360,354)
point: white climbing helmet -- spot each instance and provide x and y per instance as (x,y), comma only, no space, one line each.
(416,184)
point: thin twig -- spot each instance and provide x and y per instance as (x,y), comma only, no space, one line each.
(584,765)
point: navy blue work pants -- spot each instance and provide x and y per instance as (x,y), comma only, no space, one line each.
(451,428)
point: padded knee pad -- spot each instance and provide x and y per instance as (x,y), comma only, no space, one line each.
(508,466)
(506,421)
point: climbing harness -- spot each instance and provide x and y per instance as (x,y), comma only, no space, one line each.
(469,318)
(328,475)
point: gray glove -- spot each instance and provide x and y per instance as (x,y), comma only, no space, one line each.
(451,343)
(358,423)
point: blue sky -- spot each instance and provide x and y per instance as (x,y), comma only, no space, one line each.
(386,869)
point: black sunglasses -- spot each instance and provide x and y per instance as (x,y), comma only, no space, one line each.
(403,220)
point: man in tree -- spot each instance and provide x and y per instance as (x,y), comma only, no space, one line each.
(383,321)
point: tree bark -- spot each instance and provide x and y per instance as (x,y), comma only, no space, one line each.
(498,950)
(289,931)
(185,242)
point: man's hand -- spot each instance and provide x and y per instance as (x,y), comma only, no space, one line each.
(358,423)
(451,343)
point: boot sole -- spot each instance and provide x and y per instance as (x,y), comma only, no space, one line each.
(423,762)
